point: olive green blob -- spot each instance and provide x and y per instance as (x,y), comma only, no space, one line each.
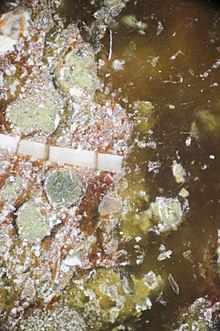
(208,122)
(31,223)
(131,22)
(143,116)
(12,189)
(134,219)
(108,296)
(6,295)
(63,187)
(78,73)
(27,116)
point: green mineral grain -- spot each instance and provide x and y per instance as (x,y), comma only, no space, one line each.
(32,225)
(143,116)
(12,189)
(77,74)
(208,122)
(63,187)
(108,295)
(131,22)
(28,116)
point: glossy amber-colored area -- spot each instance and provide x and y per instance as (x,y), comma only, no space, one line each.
(174,65)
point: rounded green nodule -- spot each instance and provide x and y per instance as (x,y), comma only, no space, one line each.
(63,187)
(32,225)
(29,116)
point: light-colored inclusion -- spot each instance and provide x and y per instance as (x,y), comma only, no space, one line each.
(134,219)
(131,22)
(77,74)
(110,296)
(143,116)
(109,205)
(11,191)
(32,225)
(63,187)
(12,27)
(166,212)
(178,172)
(28,116)
(207,122)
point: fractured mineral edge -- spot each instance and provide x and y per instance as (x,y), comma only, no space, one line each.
(77,157)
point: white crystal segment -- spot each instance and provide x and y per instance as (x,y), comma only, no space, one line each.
(33,148)
(76,157)
(9,142)
(109,162)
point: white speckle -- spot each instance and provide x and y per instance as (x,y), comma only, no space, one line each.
(212,157)
(30,62)
(118,65)
(162,248)
(159,28)
(173,284)
(164,255)
(65,268)
(151,280)
(75,92)
(101,63)
(73,261)
(208,314)
(138,239)
(6,44)
(11,70)
(154,166)
(57,120)
(214,84)
(178,172)
(183,193)
(145,306)
(188,141)
(174,56)
(186,254)
(153,60)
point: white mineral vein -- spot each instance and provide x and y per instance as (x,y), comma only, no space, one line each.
(64,155)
